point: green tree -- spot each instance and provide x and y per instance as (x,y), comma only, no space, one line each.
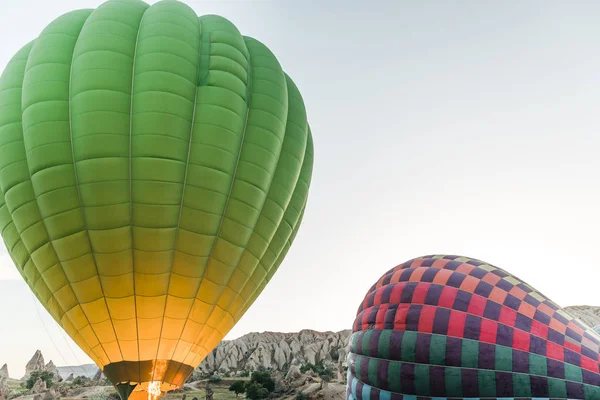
(43,375)
(323,371)
(255,391)
(81,381)
(264,379)
(301,396)
(238,387)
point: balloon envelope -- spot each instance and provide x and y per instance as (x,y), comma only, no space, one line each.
(154,170)
(449,327)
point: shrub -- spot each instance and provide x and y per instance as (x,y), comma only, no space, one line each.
(301,396)
(323,371)
(81,381)
(214,379)
(255,391)
(43,375)
(238,387)
(264,379)
(98,396)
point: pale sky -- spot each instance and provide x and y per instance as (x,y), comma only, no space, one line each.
(465,127)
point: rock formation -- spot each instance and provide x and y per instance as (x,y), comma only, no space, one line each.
(70,378)
(39,386)
(4,391)
(293,373)
(50,367)
(277,351)
(35,364)
(4,372)
(99,376)
(50,395)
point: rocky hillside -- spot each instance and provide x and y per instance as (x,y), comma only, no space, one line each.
(277,351)
(87,370)
(269,350)
(588,314)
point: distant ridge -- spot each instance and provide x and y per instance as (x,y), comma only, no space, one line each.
(87,370)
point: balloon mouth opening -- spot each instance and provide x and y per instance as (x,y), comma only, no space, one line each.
(154,392)
(150,390)
(147,380)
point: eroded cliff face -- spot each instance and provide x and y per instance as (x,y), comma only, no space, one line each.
(36,363)
(588,314)
(280,351)
(277,351)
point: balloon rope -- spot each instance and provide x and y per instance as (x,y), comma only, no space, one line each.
(69,346)
(50,336)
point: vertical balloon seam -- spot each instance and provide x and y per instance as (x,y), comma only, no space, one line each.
(306,181)
(4,206)
(239,313)
(294,227)
(81,208)
(284,249)
(40,278)
(288,245)
(235,179)
(282,252)
(19,240)
(217,236)
(246,114)
(203,82)
(43,220)
(21,268)
(248,100)
(137,327)
(115,10)
(284,207)
(260,212)
(250,300)
(275,266)
(157,26)
(34,199)
(182,197)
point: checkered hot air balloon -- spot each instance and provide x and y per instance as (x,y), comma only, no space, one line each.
(448,327)
(154,170)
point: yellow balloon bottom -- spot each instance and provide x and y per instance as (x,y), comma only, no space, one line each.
(141,380)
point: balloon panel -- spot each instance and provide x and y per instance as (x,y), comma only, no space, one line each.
(154,169)
(453,327)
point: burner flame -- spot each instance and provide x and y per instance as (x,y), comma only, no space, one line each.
(154,391)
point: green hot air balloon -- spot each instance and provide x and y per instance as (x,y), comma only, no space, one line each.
(154,170)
